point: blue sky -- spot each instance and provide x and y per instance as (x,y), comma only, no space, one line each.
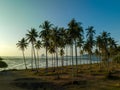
(18,16)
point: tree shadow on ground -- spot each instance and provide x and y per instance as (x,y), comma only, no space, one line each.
(35,84)
(81,83)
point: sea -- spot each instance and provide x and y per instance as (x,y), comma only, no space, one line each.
(15,62)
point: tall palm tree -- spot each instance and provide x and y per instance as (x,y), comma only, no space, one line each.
(44,34)
(105,53)
(68,42)
(52,52)
(22,44)
(38,45)
(86,49)
(99,47)
(56,40)
(112,47)
(62,34)
(90,40)
(76,32)
(31,37)
(80,45)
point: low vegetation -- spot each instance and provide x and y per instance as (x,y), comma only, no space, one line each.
(85,79)
(2,63)
(1,58)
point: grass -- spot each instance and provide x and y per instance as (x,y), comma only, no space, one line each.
(86,79)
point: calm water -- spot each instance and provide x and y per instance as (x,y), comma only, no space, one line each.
(17,62)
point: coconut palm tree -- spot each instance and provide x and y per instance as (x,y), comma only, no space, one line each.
(112,47)
(90,40)
(80,45)
(76,31)
(22,44)
(56,40)
(62,38)
(105,53)
(52,52)
(99,47)
(86,49)
(31,37)
(68,42)
(38,45)
(44,34)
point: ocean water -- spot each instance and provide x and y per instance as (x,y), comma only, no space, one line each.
(18,63)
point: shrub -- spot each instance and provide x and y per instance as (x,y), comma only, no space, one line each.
(3,64)
(1,58)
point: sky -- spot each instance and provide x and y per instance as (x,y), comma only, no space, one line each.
(18,16)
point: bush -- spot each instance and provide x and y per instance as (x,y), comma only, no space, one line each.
(3,64)
(1,58)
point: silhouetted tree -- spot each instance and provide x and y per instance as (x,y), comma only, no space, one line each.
(22,44)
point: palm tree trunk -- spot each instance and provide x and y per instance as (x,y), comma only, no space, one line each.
(73,74)
(72,54)
(35,57)
(62,61)
(24,60)
(66,55)
(38,59)
(32,58)
(61,64)
(76,57)
(57,63)
(52,61)
(90,61)
(57,57)
(100,61)
(46,61)
(72,61)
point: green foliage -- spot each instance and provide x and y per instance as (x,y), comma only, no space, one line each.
(1,58)
(3,64)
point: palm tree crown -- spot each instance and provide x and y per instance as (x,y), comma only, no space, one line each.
(22,44)
(38,44)
(32,35)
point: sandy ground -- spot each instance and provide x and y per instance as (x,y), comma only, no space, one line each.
(6,79)
(15,80)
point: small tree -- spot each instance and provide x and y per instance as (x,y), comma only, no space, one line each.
(22,44)
(3,64)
